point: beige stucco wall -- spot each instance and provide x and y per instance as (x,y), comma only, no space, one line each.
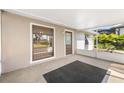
(16,41)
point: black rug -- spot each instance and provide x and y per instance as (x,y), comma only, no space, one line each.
(76,72)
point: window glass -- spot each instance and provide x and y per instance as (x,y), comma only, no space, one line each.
(43,42)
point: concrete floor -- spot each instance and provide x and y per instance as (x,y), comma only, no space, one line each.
(34,74)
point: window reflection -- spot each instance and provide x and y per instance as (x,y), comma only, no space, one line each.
(43,42)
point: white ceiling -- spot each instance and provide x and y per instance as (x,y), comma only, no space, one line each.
(76,18)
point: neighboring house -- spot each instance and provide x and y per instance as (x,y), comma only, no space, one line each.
(121,31)
(116,30)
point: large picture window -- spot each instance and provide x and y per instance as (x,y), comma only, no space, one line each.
(42,42)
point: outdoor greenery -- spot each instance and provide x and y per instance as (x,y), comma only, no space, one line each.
(110,41)
(38,42)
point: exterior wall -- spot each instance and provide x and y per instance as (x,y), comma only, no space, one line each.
(86,52)
(111,57)
(16,41)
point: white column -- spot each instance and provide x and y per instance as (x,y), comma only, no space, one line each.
(0,39)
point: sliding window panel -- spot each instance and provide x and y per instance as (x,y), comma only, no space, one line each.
(43,42)
(86,44)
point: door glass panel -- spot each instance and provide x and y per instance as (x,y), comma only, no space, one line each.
(68,39)
(68,42)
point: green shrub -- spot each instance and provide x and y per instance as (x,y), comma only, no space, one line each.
(110,42)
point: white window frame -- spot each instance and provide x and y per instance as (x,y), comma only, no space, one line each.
(31,48)
(72,42)
(0,41)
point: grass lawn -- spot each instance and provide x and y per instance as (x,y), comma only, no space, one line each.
(39,45)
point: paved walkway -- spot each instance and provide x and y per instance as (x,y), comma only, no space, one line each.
(34,74)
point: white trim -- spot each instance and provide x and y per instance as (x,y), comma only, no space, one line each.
(72,41)
(46,59)
(0,41)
